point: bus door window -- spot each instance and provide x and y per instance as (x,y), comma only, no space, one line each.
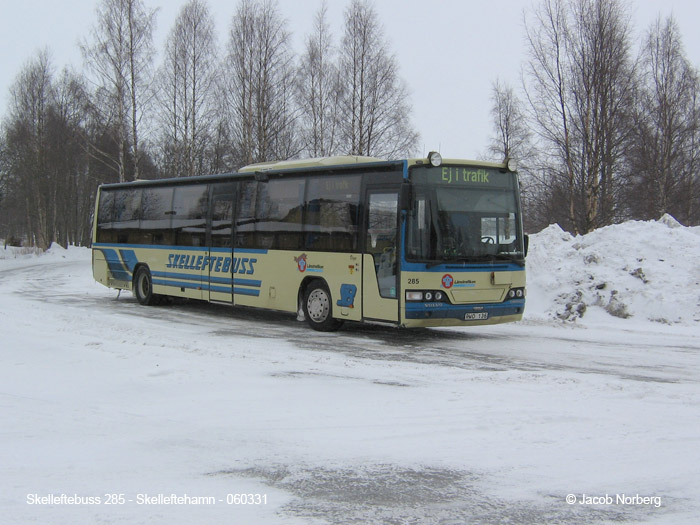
(245,215)
(222,222)
(381,239)
(218,271)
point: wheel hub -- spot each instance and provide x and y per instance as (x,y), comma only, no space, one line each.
(318,305)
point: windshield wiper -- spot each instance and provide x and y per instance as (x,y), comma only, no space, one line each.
(480,258)
(486,257)
(518,259)
(464,259)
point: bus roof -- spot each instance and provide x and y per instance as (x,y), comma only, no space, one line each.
(320,162)
(291,166)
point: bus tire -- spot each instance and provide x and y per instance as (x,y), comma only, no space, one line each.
(143,287)
(318,307)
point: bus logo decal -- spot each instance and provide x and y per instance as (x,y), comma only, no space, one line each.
(447,281)
(301,262)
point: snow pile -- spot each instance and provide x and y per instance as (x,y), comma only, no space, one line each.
(645,271)
(15,252)
(16,257)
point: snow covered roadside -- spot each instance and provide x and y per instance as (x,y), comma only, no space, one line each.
(17,257)
(641,271)
(100,396)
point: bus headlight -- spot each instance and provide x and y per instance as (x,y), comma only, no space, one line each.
(435,158)
(426,296)
(414,296)
(515,293)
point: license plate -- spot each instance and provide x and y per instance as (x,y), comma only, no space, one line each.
(476,316)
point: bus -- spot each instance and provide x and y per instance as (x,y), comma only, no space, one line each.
(408,243)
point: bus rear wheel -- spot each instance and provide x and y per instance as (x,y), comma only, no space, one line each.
(143,287)
(318,308)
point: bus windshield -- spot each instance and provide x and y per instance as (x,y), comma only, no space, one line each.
(458,221)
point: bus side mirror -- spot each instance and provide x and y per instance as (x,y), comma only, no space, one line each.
(527,243)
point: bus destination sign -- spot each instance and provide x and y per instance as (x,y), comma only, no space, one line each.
(462,176)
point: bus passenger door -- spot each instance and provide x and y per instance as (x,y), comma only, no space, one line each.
(380,256)
(219,271)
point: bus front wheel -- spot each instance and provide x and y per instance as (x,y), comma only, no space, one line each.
(143,287)
(318,308)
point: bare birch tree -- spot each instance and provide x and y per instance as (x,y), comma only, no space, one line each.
(664,153)
(512,136)
(31,185)
(547,92)
(259,84)
(319,90)
(512,139)
(47,195)
(581,84)
(187,89)
(120,57)
(376,109)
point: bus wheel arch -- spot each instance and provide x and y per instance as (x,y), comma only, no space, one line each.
(317,305)
(142,286)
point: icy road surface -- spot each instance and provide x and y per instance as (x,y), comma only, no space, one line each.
(115,413)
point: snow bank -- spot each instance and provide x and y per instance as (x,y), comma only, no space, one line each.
(14,257)
(640,270)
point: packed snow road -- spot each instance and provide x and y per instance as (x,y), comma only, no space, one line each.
(191,413)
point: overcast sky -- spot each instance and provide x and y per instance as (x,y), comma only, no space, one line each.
(449,51)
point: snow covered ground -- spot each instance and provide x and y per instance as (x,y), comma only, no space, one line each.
(588,411)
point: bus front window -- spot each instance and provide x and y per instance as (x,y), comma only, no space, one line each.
(461,224)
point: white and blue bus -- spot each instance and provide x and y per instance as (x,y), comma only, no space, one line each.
(419,242)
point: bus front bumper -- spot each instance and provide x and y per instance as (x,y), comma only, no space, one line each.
(443,314)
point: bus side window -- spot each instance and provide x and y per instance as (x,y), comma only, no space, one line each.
(105,217)
(156,212)
(190,204)
(331,213)
(278,215)
(127,216)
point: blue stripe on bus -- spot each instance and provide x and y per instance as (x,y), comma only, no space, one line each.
(177,284)
(246,291)
(203,279)
(129,258)
(206,287)
(220,289)
(247,282)
(115,265)
(191,277)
